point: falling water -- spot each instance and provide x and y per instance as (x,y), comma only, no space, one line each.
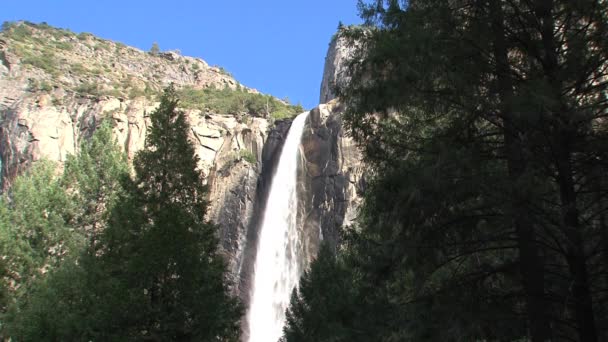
(276,270)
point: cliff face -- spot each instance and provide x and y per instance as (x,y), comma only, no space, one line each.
(333,173)
(330,184)
(245,259)
(53,98)
(56,87)
(332,176)
(334,72)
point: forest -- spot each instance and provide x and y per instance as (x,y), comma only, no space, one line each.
(484,125)
(485,218)
(105,253)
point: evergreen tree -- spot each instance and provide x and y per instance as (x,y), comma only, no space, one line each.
(168,277)
(35,235)
(324,307)
(57,305)
(485,145)
(94,176)
(151,270)
(155,49)
(34,225)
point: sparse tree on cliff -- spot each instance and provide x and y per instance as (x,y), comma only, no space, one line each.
(155,49)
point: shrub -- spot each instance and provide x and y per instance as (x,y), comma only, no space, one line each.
(154,50)
(78,69)
(228,101)
(248,156)
(88,88)
(120,46)
(63,45)
(45,61)
(84,36)
(7,25)
(225,72)
(45,86)
(147,92)
(17,32)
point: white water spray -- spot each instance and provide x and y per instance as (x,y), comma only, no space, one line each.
(276,270)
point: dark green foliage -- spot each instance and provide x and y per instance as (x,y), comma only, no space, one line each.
(151,268)
(88,88)
(35,85)
(485,218)
(329,304)
(16,31)
(159,248)
(57,305)
(95,174)
(248,156)
(45,61)
(35,235)
(84,36)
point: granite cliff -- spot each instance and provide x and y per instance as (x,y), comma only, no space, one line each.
(56,87)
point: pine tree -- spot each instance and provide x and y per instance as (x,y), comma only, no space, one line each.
(324,306)
(161,250)
(485,142)
(94,177)
(35,236)
(56,305)
(155,49)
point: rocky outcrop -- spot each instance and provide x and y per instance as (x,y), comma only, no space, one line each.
(56,86)
(330,184)
(334,72)
(332,176)
(34,128)
(233,184)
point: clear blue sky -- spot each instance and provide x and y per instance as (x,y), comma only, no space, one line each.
(276,46)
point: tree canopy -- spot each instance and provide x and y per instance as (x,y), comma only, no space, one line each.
(484,127)
(146,266)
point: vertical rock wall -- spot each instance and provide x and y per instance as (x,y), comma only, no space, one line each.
(331,176)
(334,71)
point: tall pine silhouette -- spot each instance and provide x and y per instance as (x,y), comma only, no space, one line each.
(159,248)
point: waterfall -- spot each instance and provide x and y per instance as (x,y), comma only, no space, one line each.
(277,270)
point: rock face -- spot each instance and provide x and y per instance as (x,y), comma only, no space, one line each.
(330,183)
(332,176)
(30,131)
(56,87)
(44,115)
(334,72)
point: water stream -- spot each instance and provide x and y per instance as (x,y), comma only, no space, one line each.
(277,270)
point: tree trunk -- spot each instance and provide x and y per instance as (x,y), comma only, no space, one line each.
(530,262)
(563,136)
(576,258)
